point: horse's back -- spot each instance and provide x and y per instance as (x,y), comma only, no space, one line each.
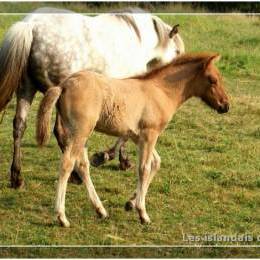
(116,45)
(59,45)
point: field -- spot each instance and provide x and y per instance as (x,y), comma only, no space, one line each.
(209,180)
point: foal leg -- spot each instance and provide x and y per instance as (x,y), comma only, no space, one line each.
(146,146)
(155,166)
(124,162)
(61,135)
(100,158)
(72,153)
(83,169)
(25,95)
(67,164)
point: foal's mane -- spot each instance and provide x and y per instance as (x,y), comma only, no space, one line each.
(184,59)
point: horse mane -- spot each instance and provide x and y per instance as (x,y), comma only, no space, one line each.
(179,61)
(130,22)
(125,15)
(162,31)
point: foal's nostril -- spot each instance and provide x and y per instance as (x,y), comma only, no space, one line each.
(223,108)
(227,107)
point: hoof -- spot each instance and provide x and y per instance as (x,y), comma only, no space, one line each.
(75,179)
(129,206)
(17,184)
(102,213)
(124,165)
(99,158)
(145,221)
(144,218)
(63,222)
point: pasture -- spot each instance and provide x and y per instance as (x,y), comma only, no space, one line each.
(209,179)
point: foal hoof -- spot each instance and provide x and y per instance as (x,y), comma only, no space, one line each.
(129,206)
(145,220)
(98,159)
(124,165)
(74,178)
(17,184)
(63,222)
(102,213)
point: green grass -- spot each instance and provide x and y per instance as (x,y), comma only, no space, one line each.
(210,176)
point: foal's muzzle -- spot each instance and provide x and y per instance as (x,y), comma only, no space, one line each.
(223,108)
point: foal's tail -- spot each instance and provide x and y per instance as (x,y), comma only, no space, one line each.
(44,114)
(14,54)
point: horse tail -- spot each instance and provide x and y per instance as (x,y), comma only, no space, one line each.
(44,115)
(14,54)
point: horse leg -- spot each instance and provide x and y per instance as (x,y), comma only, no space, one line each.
(61,135)
(100,158)
(124,162)
(155,166)
(25,95)
(146,148)
(83,170)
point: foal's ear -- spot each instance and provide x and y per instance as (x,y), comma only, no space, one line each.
(212,59)
(174,30)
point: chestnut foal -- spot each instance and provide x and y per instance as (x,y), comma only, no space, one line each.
(88,101)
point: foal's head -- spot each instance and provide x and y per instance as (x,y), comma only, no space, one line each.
(210,87)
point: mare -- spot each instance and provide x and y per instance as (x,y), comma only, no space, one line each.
(50,44)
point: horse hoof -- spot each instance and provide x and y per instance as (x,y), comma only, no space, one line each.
(75,179)
(129,206)
(17,184)
(98,159)
(124,165)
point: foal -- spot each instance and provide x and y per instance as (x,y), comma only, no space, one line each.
(89,101)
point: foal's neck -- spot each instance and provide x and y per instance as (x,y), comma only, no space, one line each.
(177,81)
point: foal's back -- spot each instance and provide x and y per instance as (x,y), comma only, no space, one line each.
(113,106)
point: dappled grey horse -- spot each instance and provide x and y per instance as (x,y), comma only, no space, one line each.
(50,44)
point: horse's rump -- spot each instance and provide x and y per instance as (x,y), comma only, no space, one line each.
(14,55)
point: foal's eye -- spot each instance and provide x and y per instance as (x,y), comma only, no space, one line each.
(212,80)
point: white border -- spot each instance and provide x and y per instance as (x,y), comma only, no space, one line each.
(129,1)
(135,246)
(129,246)
(189,14)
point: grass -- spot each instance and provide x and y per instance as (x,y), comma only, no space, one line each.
(208,183)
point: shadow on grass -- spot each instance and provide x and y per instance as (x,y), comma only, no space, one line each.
(115,168)
(109,167)
(34,145)
(8,202)
(48,225)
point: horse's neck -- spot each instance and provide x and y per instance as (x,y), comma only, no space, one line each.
(103,32)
